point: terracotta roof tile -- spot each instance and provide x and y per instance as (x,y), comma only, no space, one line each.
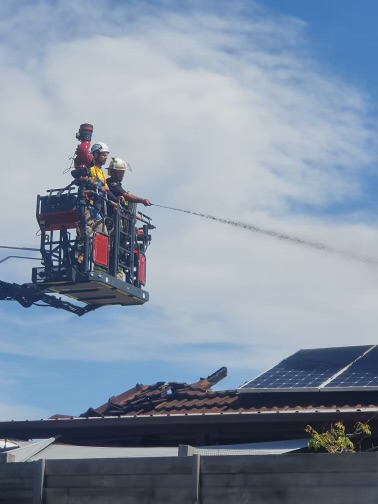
(164,398)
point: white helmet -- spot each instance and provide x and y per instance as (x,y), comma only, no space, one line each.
(99,147)
(119,164)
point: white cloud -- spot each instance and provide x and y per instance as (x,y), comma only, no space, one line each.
(12,410)
(11,404)
(228,116)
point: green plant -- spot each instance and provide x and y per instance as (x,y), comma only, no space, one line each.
(335,440)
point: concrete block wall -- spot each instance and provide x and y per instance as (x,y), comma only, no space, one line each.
(241,479)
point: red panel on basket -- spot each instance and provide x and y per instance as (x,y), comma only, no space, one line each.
(101,249)
(54,221)
(142,269)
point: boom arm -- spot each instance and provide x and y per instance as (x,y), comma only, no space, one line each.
(29,294)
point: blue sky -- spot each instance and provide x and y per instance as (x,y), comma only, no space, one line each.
(263,112)
(343,34)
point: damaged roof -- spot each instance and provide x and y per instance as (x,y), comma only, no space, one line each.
(166,397)
(171,413)
(172,398)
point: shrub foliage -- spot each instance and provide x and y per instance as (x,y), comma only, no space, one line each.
(336,440)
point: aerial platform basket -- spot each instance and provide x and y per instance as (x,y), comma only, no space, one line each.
(95,287)
(86,269)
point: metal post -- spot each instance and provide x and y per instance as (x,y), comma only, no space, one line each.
(196,471)
(81,208)
(132,246)
(116,241)
(39,481)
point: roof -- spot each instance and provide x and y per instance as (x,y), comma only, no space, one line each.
(6,444)
(198,398)
(266,448)
(49,449)
(168,398)
(164,398)
(170,413)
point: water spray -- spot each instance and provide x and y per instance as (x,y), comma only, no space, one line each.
(281,236)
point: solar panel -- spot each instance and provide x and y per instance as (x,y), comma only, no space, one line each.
(362,373)
(306,368)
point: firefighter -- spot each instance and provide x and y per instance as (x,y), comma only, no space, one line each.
(96,192)
(117,169)
(88,163)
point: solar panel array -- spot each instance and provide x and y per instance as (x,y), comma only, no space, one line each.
(362,373)
(354,366)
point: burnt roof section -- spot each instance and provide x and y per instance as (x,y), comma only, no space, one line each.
(162,397)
